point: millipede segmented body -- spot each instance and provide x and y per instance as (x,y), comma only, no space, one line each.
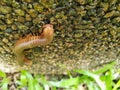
(31,41)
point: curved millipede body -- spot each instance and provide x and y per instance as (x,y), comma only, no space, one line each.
(31,41)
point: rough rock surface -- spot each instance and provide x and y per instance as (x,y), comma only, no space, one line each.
(87,34)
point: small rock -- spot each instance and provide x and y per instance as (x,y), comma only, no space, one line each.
(27,17)
(22,27)
(9,21)
(9,44)
(20,12)
(2,16)
(105,6)
(38,7)
(118,7)
(3,27)
(6,48)
(15,4)
(21,19)
(32,13)
(113,32)
(16,36)
(28,1)
(14,27)
(5,40)
(5,9)
(109,14)
(1,49)
(8,30)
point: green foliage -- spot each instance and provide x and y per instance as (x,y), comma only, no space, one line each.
(26,79)
(4,82)
(102,79)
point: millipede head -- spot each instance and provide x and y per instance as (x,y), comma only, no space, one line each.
(48,25)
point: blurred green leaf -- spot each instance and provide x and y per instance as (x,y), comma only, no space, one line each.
(23,79)
(37,84)
(93,76)
(108,80)
(117,85)
(2,74)
(66,83)
(5,83)
(29,79)
(105,68)
(5,86)
(92,86)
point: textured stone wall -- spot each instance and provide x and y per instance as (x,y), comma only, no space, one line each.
(87,34)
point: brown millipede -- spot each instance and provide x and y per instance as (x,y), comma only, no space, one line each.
(31,41)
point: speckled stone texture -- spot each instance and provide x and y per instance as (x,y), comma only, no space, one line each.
(87,34)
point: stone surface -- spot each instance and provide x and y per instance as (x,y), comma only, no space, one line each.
(87,34)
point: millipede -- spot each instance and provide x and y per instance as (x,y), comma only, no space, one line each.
(30,41)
